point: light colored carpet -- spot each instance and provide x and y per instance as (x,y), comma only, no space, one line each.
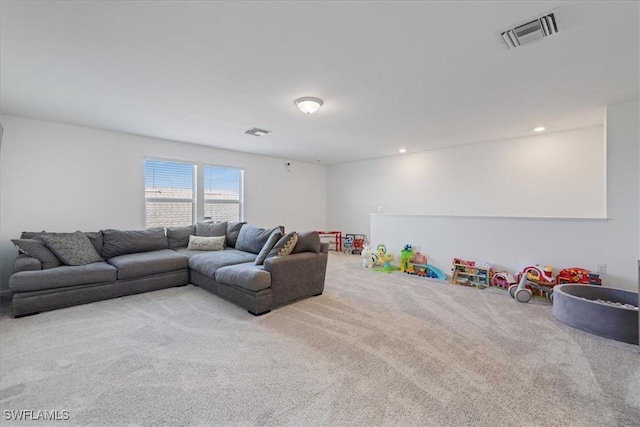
(374,349)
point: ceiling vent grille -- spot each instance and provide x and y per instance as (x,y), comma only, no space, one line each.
(531,31)
(256,132)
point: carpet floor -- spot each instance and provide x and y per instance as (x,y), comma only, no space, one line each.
(374,349)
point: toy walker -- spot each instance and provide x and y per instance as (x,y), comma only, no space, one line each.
(522,294)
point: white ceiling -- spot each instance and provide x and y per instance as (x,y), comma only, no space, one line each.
(420,75)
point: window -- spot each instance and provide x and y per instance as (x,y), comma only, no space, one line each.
(172,197)
(222,193)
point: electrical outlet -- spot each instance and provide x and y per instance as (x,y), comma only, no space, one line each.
(601,268)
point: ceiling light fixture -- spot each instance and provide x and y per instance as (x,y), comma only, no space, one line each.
(308,104)
(402,150)
(539,129)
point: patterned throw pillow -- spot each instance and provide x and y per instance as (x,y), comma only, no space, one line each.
(285,245)
(72,248)
(37,249)
(201,243)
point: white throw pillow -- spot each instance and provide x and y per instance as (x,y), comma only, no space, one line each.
(201,243)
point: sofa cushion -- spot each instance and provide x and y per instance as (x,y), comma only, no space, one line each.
(119,242)
(36,248)
(269,244)
(207,263)
(247,275)
(308,241)
(285,245)
(252,238)
(72,248)
(210,229)
(233,229)
(147,263)
(63,276)
(178,237)
(202,243)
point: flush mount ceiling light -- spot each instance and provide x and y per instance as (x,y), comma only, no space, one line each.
(402,150)
(308,104)
(539,129)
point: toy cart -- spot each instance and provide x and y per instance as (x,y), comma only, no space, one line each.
(333,238)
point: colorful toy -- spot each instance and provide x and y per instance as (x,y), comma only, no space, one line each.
(418,258)
(468,273)
(348,243)
(426,270)
(523,290)
(358,243)
(367,259)
(541,276)
(384,259)
(578,275)
(405,257)
(502,279)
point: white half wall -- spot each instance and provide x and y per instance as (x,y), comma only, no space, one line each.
(60,177)
(446,222)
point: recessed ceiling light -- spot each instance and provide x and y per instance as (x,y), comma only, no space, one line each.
(539,129)
(402,150)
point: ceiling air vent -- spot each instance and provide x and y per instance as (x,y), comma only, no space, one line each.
(256,132)
(531,31)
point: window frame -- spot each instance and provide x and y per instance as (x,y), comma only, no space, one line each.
(198,201)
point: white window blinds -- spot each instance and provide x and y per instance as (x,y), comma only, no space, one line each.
(169,193)
(222,193)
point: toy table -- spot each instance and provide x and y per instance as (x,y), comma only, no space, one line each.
(334,238)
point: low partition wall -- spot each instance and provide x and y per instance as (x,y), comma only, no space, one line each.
(513,243)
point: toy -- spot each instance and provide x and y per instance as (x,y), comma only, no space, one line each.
(468,273)
(367,259)
(522,294)
(502,279)
(405,257)
(358,244)
(542,276)
(578,275)
(426,270)
(384,259)
(418,258)
(348,243)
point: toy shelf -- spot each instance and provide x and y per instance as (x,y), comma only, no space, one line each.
(471,275)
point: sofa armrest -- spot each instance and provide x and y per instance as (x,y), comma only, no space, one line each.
(296,276)
(25,262)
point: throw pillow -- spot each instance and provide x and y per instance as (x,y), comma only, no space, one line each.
(252,239)
(37,249)
(209,229)
(233,229)
(285,245)
(94,236)
(308,241)
(202,243)
(72,248)
(269,244)
(178,237)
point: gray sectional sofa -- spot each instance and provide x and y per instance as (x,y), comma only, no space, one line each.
(258,269)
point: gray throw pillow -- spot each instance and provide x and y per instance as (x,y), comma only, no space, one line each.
(285,245)
(32,234)
(252,239)
(72,248)
(37,249)
(178,237)
(233,229)
(308,241)
(119,242)
(269,244)
(209,229)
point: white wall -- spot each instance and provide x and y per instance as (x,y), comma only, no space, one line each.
(65,178)
(551,175)
(356,189)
